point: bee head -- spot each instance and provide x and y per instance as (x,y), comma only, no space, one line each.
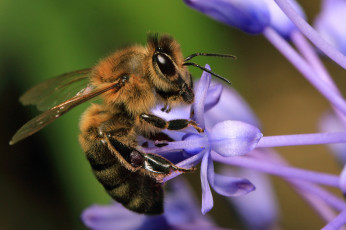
(169,76)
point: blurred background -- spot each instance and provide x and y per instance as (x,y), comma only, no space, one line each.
(46,181)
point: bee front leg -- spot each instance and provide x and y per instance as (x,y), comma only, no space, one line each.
(177,124)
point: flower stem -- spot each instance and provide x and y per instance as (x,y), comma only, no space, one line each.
(302,139)
(278,170)
(337,222)
(301,65)
(311,56)
(310,33)
(303,187)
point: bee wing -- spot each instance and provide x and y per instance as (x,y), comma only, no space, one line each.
(56,90)
(52,114)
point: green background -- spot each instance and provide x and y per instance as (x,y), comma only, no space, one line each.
(46,181)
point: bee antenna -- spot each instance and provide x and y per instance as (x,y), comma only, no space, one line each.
(209,55)
(206,70)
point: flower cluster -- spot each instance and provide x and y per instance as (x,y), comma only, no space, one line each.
(232,135)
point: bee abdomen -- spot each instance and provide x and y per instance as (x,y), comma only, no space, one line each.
(106,166)
(148,197)
(137,192)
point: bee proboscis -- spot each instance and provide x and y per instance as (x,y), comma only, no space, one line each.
(132,81)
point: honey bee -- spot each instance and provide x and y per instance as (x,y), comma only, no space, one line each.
(131,82)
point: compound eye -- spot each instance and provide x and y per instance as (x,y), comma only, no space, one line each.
(165,64)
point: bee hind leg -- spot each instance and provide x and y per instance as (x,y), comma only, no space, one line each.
(161,137)
(158,164)
(177,124)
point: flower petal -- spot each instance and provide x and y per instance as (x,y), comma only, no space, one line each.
(207,197)
(213,96)
(234,138)
(231,186)
(113,216)
(258,209)
(194,143)
(180,205)
(200,95)
(252,16)
(181,208)
(230,107)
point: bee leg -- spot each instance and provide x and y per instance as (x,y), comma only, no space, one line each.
(163,137)
(158,164)
(157,167)
(125,152)
(177,124)
(166,108)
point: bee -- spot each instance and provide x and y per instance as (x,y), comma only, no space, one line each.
(131,82)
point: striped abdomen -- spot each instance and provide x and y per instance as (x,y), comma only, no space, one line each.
(137,192)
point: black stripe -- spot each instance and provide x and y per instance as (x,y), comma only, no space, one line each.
(122,149)
(96,165)
(110,187)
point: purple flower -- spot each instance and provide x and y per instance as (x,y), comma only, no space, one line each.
(251,16)
(238,143)
(280,20)
(286,21)
(227,138)
(181,212)
(234,143)
(331,23)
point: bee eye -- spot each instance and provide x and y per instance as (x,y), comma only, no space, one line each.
(165,64)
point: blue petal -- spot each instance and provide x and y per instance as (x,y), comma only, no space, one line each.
(252,16)
(231,186)
(180,204)
(200,95)
(230,107)
(111,217)
(181,208)
(234,138)
(207,198)
(258,209)
(213,96)
(195,149)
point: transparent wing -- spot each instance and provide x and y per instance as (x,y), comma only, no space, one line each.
(52,114)
(56,90)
